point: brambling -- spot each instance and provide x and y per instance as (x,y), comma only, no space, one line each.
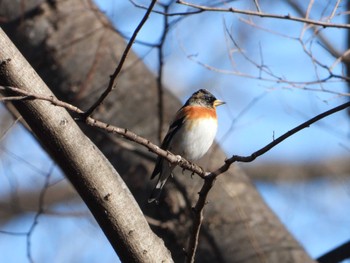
(190,135)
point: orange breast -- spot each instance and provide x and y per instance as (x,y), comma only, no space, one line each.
(195,112)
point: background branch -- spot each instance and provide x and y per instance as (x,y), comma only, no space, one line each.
(114,76)
(267,15)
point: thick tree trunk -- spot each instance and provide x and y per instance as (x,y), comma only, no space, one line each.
(73,50)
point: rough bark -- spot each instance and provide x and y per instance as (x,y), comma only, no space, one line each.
(74,52)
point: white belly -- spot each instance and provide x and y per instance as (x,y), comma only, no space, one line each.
(197,139)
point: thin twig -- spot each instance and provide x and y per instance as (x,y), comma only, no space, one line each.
(8,129)
(183,14)
(309,7)
(272,77)
(160,48)
(267,15)
(113,78)
(107,24)
(335,8)
(256,2)
(38,214)
(326,43)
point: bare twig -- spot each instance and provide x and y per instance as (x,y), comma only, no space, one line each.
(113,78)
(334,10)
(267,15)
(326,43)
(309,7)
(183,14)
(267,75)
(160,48)
(256,2)
(38,214)
(28,234)
(107,24)
(7,130)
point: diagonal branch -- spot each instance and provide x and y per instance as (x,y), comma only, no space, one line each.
(338,254)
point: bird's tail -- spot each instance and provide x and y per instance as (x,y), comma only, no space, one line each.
(163,177)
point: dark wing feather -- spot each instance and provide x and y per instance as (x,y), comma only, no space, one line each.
(175,125)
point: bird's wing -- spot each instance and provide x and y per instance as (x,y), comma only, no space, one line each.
(174,127)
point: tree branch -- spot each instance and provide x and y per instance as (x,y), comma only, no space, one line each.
(336,255)
(267,15)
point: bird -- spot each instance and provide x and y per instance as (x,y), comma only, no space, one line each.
(190,135)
